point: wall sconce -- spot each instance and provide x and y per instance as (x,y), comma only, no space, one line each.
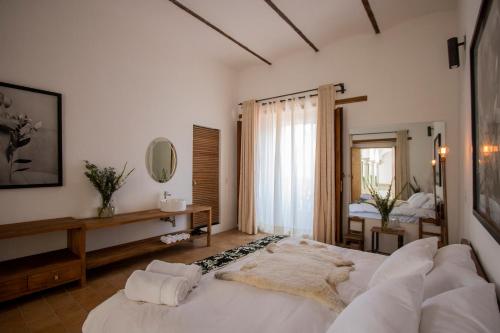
(443,152)
(433,162)
(453,56)
(489,149)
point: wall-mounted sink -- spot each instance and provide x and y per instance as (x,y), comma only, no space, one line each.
(172,205)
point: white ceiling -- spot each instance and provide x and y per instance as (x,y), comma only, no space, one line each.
(255,24)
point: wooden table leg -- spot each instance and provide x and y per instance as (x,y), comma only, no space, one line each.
(373,242)
(209,227)
(76,244)
(400,241)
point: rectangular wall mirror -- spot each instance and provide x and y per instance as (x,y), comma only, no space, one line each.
(399,155)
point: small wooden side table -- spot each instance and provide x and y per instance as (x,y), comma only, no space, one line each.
(376,231)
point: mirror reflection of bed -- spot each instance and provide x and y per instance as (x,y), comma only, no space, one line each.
(398,155)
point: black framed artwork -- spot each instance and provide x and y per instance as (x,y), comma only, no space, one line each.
(30,137)
(437,145)
(485,95)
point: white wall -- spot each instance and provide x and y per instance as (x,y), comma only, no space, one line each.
(404,71)
(128,74)
(470,228)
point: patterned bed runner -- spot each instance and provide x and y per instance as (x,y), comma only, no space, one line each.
(224,258)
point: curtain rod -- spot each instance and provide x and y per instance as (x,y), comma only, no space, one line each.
(289,99)
(348,100)
(389,132)
(340,85)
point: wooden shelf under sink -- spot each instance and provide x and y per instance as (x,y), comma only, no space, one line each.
(101,257)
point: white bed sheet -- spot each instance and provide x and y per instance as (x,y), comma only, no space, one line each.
(404,212)
(224,306)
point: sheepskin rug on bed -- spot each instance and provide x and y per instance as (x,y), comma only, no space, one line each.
(308,269)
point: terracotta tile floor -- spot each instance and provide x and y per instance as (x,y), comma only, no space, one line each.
(65,308)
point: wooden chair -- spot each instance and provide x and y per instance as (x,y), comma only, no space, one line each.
(423,233)
(355,236)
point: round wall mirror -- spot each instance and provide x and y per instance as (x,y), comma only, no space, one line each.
(161,160)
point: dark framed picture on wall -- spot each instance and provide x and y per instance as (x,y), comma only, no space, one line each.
(30,137)
(485,93)
(437,145)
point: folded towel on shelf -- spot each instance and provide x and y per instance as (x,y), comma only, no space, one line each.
(191,272)
(183,236)
(168,239)
(156,288)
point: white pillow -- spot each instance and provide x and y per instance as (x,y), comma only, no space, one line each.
(448,276)
(366,197)
(418,199)
(457,254)
(430,204)
(413,258)
(391,307)
(463,310)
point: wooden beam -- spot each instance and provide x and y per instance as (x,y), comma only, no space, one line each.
(350,100)
(198,17)
(371,16)
(290,23)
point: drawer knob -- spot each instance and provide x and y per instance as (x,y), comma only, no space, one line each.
(56,277)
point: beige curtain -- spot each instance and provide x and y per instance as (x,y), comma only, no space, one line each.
(246,204)
(402,164)
(324,186)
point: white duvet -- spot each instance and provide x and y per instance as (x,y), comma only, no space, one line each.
(404,212)
(224,306)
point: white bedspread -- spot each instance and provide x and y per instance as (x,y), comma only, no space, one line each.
(224,306)
(404,212)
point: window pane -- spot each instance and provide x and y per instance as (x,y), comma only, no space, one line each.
(377,168)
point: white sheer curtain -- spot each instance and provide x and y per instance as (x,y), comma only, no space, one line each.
(284,166)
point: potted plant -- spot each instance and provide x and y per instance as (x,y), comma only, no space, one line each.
(384,204)
(107,181)
(415,188)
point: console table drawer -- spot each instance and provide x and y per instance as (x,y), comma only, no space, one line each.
(54,277)
(11,288)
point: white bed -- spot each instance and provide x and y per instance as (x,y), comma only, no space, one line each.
(223,306)
(419,205)
(404,212)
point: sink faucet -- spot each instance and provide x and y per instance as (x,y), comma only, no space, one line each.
(166,194)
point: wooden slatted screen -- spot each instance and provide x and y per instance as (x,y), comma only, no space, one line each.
(206,172)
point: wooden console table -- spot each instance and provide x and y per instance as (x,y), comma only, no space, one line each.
(29,274)
(112,254)
(376,231)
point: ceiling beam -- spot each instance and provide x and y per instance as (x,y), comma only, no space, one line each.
(195,15)
(371,16)
(290,23)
